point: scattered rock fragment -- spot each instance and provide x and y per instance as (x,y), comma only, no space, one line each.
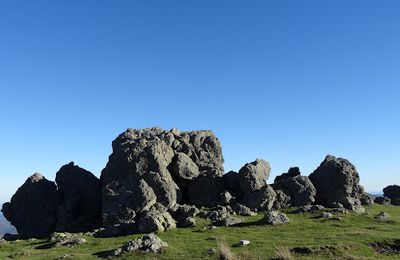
(383,216)
(274,217)
(66,239)
(146,244)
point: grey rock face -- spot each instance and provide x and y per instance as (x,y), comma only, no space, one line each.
(33,207)
(300,190)
(146,244)
(242,210)
(367,199)
(169,167)
(80,199)
(293,172)
(184,215)
(231,183)
(66,239)
(275,218)
(262,199)
(383,200)
(337,181)
(282,200)
(157,218)
(253,176)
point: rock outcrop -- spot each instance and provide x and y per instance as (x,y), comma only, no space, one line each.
(298,188)
(177,167)
(33,207)
(80,203)
(337,181)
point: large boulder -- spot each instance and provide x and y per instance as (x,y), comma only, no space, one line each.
(274,217)
(147,244)
(173,166)
(80,199)
(337,181)
(157,218)
(299,188)
(262,199)
(393,193)
(253,176)
(33,207)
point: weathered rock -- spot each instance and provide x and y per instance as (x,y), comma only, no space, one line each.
(184,167)
(146,244)
(275,218)
(242,210)
(293,172)
(229,221)
(184,215)
(393,193)
(383,216)
(383,200)
(300,190)
(178,167)
(80,199)
(262,199)
(367,199)
(33,207)
(309,208)
(337,180)
(66,239)
(327,215)
(216,215)
(253,176)
(281,201)
(157,218)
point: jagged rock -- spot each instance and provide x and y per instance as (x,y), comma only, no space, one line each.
(337,180)
(383,216)
(216,215)
(179,167)
(184,167)
(80,204)
(262,199)
(253,176)
(229,221)
(293,172)
(242,210)
(146,244)
(33,207)
(184,215)
(157,218)
(275,218)
(66,239)
(367,199)
(383,200)
(300,190)
(282,200)
(393,193)
(309,208)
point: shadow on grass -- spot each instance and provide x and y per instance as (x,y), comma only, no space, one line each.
(103,254)
(46,245)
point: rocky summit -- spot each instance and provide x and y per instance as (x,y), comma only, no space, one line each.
(156,180)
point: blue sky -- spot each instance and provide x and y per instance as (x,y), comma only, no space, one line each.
(287,81)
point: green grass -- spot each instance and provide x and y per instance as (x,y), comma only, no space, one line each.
(346,239)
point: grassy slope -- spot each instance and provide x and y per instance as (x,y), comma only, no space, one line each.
(347,239)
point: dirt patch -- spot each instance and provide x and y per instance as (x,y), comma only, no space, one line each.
(387,247)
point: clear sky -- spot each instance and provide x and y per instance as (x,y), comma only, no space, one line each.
(287,81)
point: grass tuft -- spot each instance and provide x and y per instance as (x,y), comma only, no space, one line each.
(224,250)
(283,253)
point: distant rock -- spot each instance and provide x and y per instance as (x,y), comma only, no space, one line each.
(367,199)
(33,207)
(80,204)
(337,181)
(5,226)
(275,218)
(253,176)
